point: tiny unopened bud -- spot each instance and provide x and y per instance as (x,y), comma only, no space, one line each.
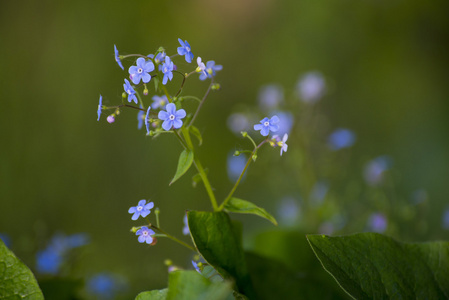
(244,133)
(216,87)
(175,68)
(151,133)
(157,210)
(111,119)
(161,49)
(168,262)
(124,95)
(134,229)
(145,90)
(236,153)
(254,157)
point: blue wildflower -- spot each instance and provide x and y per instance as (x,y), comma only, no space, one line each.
(117,58)
(100,108)
(185,50)
(141,70)
(341,138)
(201,66)
(276,141)
(145,235)
(377,223)
(105,286)
(140,118)
(196,266)
(147,121)
(266,125)
(270,97)
(167,69)
(235,166)
(210,70)
(311,87)
(374,170)
(185,229)
(142,209)
(159,101)
(130,91)
(48,261)
(171,117)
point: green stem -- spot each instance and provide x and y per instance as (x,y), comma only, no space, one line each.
(173,238)
(201,103)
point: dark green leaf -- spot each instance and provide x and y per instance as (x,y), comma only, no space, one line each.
(16,280)
(219,242)
(184,163)
(192,285)
(195,131)
(153,295)
(374,266)
(61,288)
(240,206)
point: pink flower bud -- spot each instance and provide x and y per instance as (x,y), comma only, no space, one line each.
(111,119)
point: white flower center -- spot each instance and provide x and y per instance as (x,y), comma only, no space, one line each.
(128,91)
(139,70)
(145,233)
(188,49)
(165,70)
(266,123)
(139,208)
(172,117)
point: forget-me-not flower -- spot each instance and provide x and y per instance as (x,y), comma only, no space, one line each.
(276,141)
(266,125)
(171,117)
(210,70)
(195,265)
(374,170)
(100,108)
(270,97)
(141,70)
(185,229)
(185,50)
(311,87)
(105,285)
(167,69)
(145,235)
(140,118)
(147,121)
(159,101)
(130,91)
(142,209)
(201,66)
(341,138)
(377,223)
(117,58)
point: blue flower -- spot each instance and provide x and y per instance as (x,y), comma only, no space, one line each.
(341,138)
(167,69)
(266,125)
(140,118)
(100,108)
(171,117)
(142,209)
(446,219)
(377,223)
(311,87)
(235,166)
(185,50)
(276,141)
(270,97)
(6,239)
(105,286)
(147,121)
(141,70)
(159,101)
(201,66)
(318,193)
(374,170)
(145,235)
(211,68)
(195,265)
(185,229)
(130,91)
(48,261)
(117,58)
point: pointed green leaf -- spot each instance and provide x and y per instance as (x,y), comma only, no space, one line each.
(153,295)
(16,280)
(219,242)
(374,266)
(195,131)
(240,206)
(184,163)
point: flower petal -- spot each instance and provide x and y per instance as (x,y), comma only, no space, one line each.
(258,127)
(163,115)
(177,123)
(167,125)
(132,210)
(180,113)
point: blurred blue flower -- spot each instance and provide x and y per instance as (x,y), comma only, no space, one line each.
(145,235)
(140,118)
(341,138)
(318,193)
(238,122)
(130,91)
(159,101)
(311,87)
(100,107)
(195,265)
(185,50)
(141,70)
(270,97)
(276,141)
(185,229)
(211,68)
(105,286)
(266,125)
(235,166)
(285,122)
(377,222)
(446,219)
(147,120)
(160,57)
(117,58)
(171,117)
(6,239)
(289,211)
(167,69)
(142,209)
(375,169)
(48,261)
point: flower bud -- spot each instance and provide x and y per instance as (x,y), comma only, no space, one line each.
(134,229)
(216,87)
(254,157)
(124,95)
(111,119)
(244,133)
(168,262)
(236,153)
(145,90)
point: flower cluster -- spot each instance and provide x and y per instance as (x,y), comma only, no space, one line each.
(142,209)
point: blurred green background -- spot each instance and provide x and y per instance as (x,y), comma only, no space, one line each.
(385,64)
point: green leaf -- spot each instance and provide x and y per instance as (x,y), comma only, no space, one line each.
(192,285)
(16,280)
(184,163)
(240,206)
(195,131)
(153,295)
(219,242)
(374,266)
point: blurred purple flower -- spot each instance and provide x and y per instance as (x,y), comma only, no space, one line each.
(185,229)
(195,265)
(419,196)
(238,122)
(446,219)
(377,223)
(311,87)
(159,101)
(341,138)
(375,168)
(286,121)
(270,97)
(140,118)
(105,285)
(235,166)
